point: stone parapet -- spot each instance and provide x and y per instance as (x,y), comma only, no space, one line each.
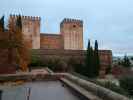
(97,90)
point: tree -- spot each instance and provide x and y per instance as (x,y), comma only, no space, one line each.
(132,58)
(22,51)
(2,24)
(126,62)
(96,60)
(89,61)
(76,64)
(92,61)
(126,83)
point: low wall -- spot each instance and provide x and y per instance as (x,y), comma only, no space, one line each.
(30,77)
(99,91)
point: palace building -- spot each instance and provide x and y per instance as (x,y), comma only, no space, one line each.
(66,44)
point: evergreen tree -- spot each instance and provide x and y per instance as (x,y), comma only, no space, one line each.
(96,60)
(89,61)
(2,24)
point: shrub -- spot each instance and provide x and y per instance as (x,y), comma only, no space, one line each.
(76,65)
(36,59)
(115,88)
(127,84)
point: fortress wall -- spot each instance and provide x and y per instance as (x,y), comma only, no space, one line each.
(30,29)
(72,32)
(50,41)
(79,55)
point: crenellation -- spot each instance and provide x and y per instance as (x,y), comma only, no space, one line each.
(72,32)
(26,17)
(70,21)
(31,29)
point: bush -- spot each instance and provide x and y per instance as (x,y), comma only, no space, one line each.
(127,84)
(106,84)
(36,59)
(115,88)
(76,65)
(56,64)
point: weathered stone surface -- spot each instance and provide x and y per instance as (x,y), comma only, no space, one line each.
(30,30)
(101,92)
(7,57)
(96,90)
(50,41)
(72,32)
(78,55)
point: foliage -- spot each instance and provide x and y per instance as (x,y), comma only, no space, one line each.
(89,61)
(132,58)
(125,62)
(57,64)
(92,61)
(35,59)
(76,64)
(114,87)
(2,24)
(127,84)
(18,43)
(106,84)
(96,59)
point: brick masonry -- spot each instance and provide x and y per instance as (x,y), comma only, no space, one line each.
(7,55)
(30,29)
(50,41)
(68,43)
(105,57)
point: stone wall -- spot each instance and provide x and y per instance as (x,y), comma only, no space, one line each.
(96,90)
(103,93)
(7,56)
(30,29)
(72,33)
(105,57)
(50,41)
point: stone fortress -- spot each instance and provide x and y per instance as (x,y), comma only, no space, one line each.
(69,38)
(30,29)
(68,43)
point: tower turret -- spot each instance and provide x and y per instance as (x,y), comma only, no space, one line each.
(30,29)
(72,33)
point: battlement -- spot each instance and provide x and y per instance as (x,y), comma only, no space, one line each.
(37,18)
(69,20)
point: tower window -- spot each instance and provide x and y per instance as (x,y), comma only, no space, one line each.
(74,26)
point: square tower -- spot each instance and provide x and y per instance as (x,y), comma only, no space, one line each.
(30,30)
(72,34)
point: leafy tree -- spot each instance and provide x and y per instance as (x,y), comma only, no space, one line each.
(17,42)
(2,24)
(56,64)
(126,62)
(36,59)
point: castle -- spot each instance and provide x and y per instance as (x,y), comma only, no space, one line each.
(65,45)
(69,38)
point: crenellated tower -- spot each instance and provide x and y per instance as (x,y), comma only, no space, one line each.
(72,34)
(30,30)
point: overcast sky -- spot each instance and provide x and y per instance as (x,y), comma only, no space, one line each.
(108,21)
